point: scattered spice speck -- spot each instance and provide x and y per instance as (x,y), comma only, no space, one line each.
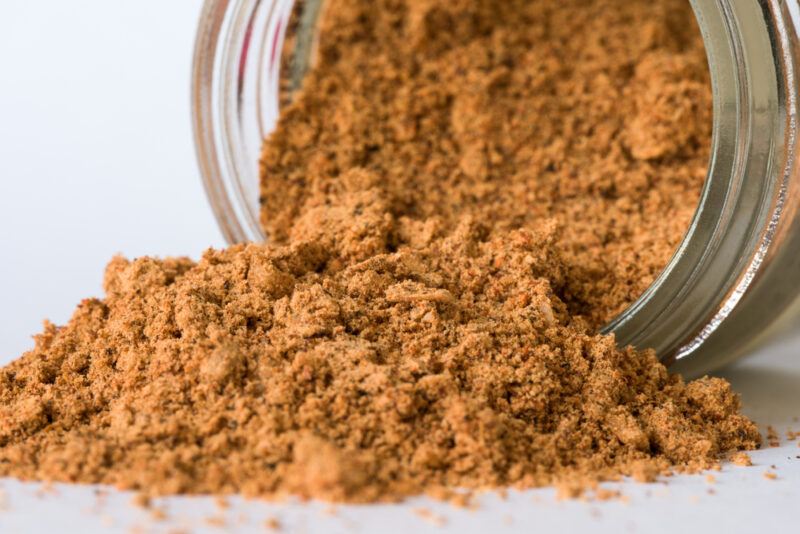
(142,500)
(773,438)
(217,521)
(605,494)
(430,517)
(741,459)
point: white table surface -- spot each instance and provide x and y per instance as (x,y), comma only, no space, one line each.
(96,158)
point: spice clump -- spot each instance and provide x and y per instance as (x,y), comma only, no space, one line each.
(452,215)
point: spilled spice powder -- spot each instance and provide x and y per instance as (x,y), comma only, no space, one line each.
(741,459)
(453,213)
(452,364)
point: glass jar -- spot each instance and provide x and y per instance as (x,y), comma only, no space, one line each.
(737,270)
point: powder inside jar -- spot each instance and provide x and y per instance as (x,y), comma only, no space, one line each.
(594,113)
(459,195)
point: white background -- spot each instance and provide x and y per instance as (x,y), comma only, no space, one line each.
(96,158)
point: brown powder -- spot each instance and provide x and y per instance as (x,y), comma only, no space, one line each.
(453,364)
(742,459)
(773,439)
(273,524)
(595,113)
(425,320)
(430,517)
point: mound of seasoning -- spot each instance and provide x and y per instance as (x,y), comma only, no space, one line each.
(459,195)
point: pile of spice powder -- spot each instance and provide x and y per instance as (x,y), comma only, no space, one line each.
(459,195)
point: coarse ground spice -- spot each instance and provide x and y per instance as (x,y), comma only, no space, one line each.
(442,255)
(451,364)
(595,113)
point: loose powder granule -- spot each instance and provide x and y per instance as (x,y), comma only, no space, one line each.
(453,214)
(742,459)
(773,439)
